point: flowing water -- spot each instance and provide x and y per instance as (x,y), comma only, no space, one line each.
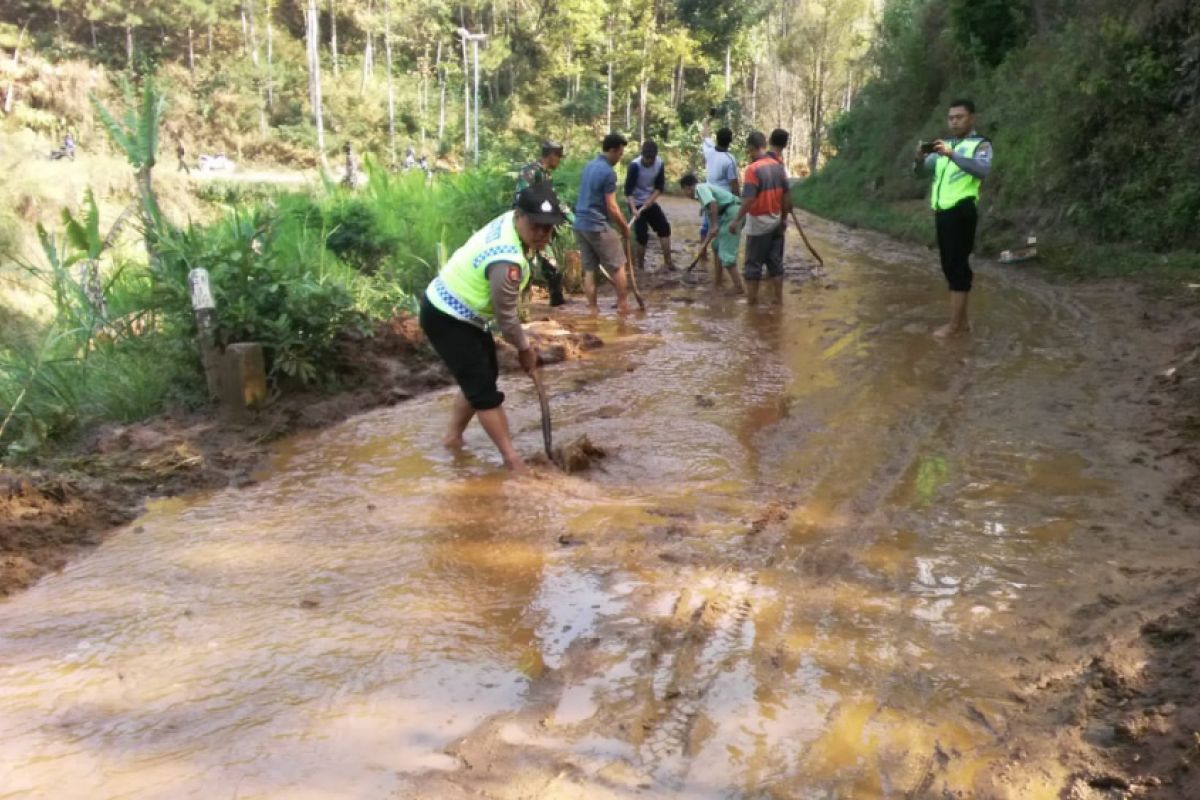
(814,564)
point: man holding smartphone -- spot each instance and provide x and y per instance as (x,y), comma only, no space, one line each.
(959,165)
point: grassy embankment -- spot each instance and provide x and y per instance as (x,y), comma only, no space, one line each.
(292,270)
(1091,111)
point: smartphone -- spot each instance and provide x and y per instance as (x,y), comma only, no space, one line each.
(926,147)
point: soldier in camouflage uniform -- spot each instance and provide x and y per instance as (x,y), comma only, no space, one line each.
(541,171)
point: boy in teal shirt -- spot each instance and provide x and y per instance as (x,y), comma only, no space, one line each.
(720,207)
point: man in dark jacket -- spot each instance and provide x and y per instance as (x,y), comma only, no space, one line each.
(645,180)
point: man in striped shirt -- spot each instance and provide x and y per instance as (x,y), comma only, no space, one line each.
(766,206)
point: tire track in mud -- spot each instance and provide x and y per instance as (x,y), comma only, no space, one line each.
(705,634)
(688,663)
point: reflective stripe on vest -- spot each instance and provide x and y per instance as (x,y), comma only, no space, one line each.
(461,289)
(951,183)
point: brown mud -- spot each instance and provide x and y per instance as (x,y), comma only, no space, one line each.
(67,505)
(825,556)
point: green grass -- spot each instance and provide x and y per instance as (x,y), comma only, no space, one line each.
(1061,255)
(293,271)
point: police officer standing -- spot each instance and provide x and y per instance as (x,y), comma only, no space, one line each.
(959,165)
(542,171)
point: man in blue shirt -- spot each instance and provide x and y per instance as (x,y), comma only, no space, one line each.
(595,206)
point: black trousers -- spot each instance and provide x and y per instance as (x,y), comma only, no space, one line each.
(956,239)
(469,352)
(652,217)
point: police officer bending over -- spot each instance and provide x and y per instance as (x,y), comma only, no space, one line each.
(481,283)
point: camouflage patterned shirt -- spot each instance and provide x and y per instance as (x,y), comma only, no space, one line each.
(529,175)
(532,173)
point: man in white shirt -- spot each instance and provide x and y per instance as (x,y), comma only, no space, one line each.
(720,167)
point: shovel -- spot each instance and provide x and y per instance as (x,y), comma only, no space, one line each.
(547,438)
(699,255)
(633,276)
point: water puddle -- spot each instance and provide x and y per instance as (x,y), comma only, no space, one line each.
(809,567)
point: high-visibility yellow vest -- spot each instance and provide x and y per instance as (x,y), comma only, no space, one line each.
(951,183)
(461,289)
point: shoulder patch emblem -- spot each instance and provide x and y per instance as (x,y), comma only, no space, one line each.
(514,273)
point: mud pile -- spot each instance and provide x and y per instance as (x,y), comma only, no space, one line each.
(579,455)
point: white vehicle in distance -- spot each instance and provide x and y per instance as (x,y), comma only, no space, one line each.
(217,163)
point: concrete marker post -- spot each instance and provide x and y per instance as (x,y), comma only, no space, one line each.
(204,311)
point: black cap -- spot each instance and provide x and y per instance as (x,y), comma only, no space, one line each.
(550,146)
(540,204)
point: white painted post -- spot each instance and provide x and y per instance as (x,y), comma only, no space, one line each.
(204,311)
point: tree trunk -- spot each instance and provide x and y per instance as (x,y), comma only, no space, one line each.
(245,30)
(210,40)
(754,96)
(368,64)
(391,97)
(92,28)
(129,45)
(150,213)
(475,128)
(628,110)
(466,101)
(608,101)
(644,86)
(248,13)
(728,69)
(16,60)
(270,58)
(778,91)
(333,47)
(816,117)
(643,90)
(58,27)
(567,96)
(314,76)
(441,95)
(250,27)
(424,90)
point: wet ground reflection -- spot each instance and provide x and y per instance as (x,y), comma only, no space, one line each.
(809,568)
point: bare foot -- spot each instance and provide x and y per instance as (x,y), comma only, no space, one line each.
(453,442)
(516,466)
(948,330)
(623,307)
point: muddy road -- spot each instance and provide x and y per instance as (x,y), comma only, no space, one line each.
(826,557)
